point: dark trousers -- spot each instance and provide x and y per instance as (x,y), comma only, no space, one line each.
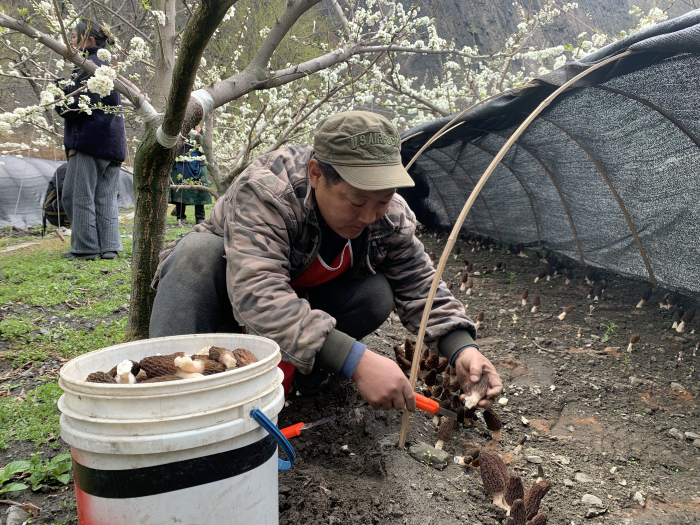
(198,211)
(192,296)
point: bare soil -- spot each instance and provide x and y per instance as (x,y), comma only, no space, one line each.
(597,418)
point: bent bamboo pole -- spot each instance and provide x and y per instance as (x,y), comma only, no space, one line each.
(460,220)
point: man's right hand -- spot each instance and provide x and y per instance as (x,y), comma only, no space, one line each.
(382,383)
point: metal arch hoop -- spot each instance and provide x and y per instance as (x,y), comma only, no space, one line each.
(617,197)
(532,206)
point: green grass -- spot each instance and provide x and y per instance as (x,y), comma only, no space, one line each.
(52,307)
(33,419)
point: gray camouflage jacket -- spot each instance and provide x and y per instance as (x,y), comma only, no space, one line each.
(271,235)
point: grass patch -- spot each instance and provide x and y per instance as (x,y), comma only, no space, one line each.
(35,419)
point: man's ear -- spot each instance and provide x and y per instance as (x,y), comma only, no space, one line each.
(315,174)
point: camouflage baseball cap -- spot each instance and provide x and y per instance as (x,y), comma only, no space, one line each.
(364,148)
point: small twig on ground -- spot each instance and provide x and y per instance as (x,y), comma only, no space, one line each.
(60,235)
(71,306)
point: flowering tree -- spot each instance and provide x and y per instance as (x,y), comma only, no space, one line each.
(252,98)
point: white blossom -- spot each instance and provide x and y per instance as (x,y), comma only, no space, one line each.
(104,54)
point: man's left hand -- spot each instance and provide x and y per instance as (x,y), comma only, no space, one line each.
(470,364)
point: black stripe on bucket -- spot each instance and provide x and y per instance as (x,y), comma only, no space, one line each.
(149,481)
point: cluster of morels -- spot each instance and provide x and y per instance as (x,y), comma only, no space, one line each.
(508,491)
(175,367)
(447,392)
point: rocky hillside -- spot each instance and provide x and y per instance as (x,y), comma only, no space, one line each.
(486,23)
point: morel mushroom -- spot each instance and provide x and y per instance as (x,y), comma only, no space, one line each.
(517,512)
(634,339)
(443,363)
(591,275)
(492,477)
(476,392)
(521,250)
(431,379)
(549,270)
(444,432)
(540,519)
(479,319)
(569,276)
(124,374)
(244,357)
(100,377)
(535,304)
(159,365)
(498,266)
(409,347)
(432,257)
(222,355)
(566,312)
(135,369)
(457,252)
(470,286)
(449,286)
(493,423)
(159,379)
(533,497)
(540,275)
(509,521)
(465,278)
(687,318)
(401,360)
(645,297)
(598,292)
(526,292)
(514,489)
(676,319)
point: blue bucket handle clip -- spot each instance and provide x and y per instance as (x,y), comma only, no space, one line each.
(272,429)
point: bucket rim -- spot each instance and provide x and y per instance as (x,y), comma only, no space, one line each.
(140,388)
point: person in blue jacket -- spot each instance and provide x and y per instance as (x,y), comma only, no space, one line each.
(95,146)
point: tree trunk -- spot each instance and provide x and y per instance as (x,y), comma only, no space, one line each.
(208,147)
(152,166)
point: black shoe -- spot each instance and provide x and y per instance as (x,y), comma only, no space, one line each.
(110,255)
(311,384)
(82,256)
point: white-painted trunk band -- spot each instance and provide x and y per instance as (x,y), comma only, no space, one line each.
(146,111)
(165,140)
(204,98)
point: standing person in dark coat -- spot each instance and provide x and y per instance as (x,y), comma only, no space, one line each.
(95,146)
(192,172)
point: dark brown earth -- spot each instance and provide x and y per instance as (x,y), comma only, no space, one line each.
(596,417)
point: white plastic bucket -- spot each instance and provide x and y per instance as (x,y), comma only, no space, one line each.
(185,452)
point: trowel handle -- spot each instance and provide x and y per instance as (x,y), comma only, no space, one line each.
(292,431)
(426,405)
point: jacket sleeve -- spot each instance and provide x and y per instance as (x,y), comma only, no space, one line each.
(257,240)
(408,269)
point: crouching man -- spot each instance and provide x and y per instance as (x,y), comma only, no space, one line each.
(311,247)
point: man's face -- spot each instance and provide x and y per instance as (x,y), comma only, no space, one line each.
(346,209)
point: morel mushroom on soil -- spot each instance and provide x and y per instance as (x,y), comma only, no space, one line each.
(514,489)
(540,519)
(645,298)
(457,252)
(566,312)
(634,339)
(518,513)
(598,292)
(687,318)
(526,292)
(535,304)
(479,319)
(540,275)
(591,275)
(493,423)
(492,468)
(569,276)
(444,432)
(534,496)
(465,278)
(676,319)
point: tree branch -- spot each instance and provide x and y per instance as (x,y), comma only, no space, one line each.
(121,84)
(132,26)
(417,98)
(195,187)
